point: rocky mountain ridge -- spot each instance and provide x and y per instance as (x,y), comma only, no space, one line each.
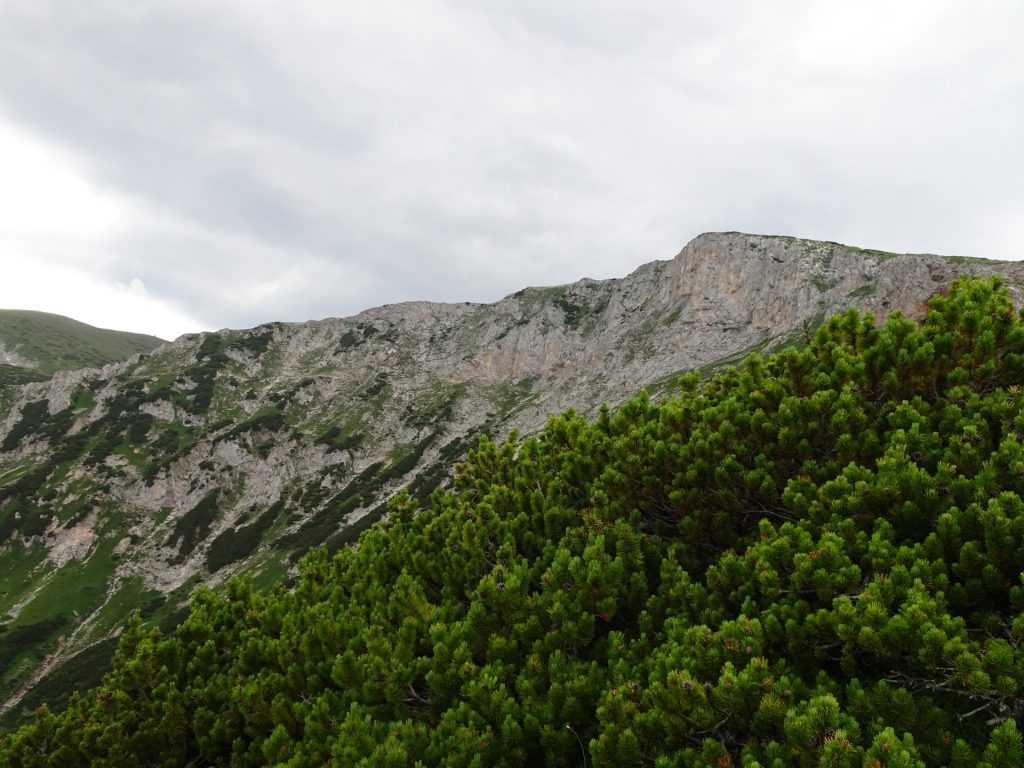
(126,487)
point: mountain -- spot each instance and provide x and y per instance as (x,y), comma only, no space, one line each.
(813,558)
(127,487)
(34,345)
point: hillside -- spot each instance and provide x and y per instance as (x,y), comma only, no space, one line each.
(236,452)
(812,559)
(45,343)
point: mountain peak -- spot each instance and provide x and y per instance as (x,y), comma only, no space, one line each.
(236,451)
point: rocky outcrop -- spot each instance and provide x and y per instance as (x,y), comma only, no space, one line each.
(11,356)
(72,543)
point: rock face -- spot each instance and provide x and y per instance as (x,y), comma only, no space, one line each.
(12,357)
(234,452)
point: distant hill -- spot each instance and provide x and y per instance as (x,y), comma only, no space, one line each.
(34,343)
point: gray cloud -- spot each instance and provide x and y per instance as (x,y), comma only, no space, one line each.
(304,161)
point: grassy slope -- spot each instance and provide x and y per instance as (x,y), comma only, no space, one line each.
(16,374)
(57,343)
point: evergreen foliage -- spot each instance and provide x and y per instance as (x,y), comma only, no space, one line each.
(812,559)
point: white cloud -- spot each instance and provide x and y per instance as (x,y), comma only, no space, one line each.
(74,292)
(251,165)
(44,192)
(53,236)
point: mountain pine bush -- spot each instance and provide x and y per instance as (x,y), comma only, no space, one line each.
(813,559)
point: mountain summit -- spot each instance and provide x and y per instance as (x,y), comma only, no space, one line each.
(127,487)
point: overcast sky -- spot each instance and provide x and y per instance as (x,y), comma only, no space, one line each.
(168,167)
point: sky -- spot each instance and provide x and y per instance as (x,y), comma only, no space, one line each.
(181,166)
